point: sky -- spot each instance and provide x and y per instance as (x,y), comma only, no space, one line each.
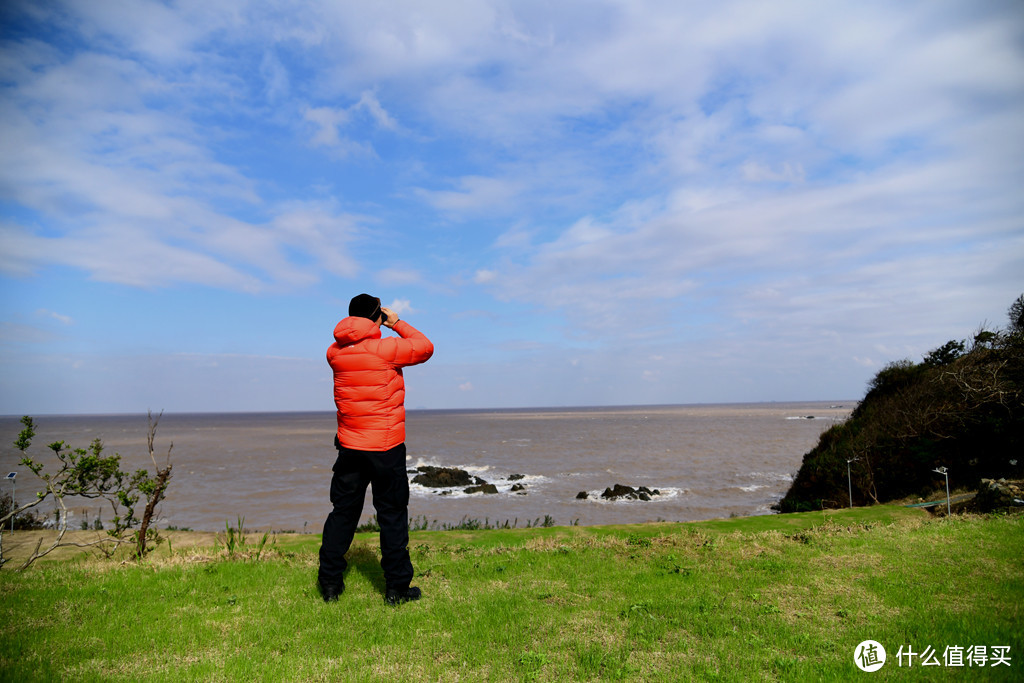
(610,202)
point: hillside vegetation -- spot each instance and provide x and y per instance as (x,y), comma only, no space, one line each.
(961,408)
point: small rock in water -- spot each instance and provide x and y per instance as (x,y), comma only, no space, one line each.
(518,487)
(483,488)
(582,495)
(443,477)
(619,492)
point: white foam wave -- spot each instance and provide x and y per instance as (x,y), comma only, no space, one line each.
(770,476)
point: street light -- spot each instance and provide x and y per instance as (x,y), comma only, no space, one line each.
(943,471)
(849,481)
(14,496)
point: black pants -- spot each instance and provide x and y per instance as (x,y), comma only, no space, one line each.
(385,472)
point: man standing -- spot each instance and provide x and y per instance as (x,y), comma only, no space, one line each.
(369,391)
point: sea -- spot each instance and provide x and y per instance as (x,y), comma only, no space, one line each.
(273,470)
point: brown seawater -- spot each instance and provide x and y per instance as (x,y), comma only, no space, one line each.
(274,469)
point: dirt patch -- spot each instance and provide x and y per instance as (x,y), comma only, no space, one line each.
(19,545)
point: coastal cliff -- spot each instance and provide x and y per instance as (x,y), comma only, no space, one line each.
(961,408)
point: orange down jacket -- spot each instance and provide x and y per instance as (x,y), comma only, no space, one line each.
(369,389)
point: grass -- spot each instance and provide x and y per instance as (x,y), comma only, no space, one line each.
(782,597)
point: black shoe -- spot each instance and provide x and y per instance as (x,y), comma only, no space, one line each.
(395,596)
(330,591)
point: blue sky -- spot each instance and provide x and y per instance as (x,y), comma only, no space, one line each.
(580,203)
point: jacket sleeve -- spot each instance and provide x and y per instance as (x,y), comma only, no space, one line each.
(413,347)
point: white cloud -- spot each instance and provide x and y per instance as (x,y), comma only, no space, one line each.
(368,102)
(401,306)
(474,194)
(329,121)
(787,173)
(275,76)
(65,319)
(483,276)
(133,194)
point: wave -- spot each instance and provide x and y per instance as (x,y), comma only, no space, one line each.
(759,480)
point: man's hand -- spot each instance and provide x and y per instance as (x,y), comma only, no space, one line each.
(391,318)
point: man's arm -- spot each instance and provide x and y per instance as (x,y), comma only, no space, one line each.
(413,347)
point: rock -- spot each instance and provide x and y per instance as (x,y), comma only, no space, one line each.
(443,477)
(516,477)
(483,488)
(999,495)
(582,495)
(518,487)
(619,492)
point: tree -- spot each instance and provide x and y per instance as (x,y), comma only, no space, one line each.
(88,473)
(945,354)
(1016,314)
(153,488)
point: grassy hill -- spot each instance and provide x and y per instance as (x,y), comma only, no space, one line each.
(783,597)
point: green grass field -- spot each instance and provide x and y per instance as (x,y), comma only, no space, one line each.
(781,597)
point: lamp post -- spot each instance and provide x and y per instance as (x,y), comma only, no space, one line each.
(943,471)
(849,480)
(14,496)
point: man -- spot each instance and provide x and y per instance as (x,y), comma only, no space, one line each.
(369,392)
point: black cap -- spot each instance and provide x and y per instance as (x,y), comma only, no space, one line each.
(365,306)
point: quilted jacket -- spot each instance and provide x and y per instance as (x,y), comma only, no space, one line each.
(369,389)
